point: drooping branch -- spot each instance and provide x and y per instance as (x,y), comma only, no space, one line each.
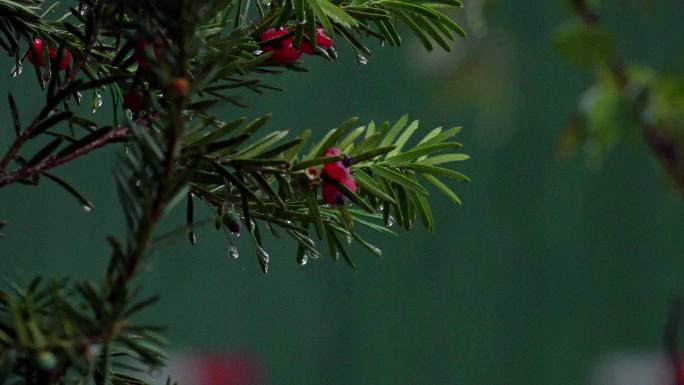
(52,162)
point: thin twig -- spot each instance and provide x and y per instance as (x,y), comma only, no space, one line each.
(52,162)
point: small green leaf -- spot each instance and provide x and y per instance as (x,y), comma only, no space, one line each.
(443,188)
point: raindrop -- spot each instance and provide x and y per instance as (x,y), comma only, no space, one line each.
(16,70)
(87,207)
(97,101)
(303,259)
(349,239)
(233,252)
(83,9)
(390,221)
(258,52)
(382,43)
(360,59)
(193,238)
(79,97)
(263,255)
(252,225)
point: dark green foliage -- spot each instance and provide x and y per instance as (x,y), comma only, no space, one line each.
(166,65)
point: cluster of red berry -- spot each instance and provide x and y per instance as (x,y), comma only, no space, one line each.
(282,49)
(334,173)
(35,55)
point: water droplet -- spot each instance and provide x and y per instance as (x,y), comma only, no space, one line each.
(97,101)
(87,207)
(390,221)
(233,252)
(83,9)
(263,255)
(79,97)
(349,239)
(193,238)
(382,43)
(360,59)
(252,225)
(16,70)
(258,52)
(303,259)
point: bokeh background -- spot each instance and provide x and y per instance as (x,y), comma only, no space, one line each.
(547,267)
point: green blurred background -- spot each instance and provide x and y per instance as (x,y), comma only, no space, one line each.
(545,268)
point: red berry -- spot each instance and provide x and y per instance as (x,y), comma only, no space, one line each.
(131,100)
(35,55)
(35,52)
(349,182)
(322,40)
(179,87)
(331,195)
(64,61)
(335,170)
(282,50)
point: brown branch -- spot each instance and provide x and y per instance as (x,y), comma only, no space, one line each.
(52,162)
(16,146)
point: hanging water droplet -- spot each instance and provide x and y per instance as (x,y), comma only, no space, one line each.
(382,43)
(360,59)
(233,252)
(79,97)
(349,239)
(303,259)
(258,52)
(83,9)
(87,207)
(390,221)
(193,238)
(263,255)
(17,70)
(97,101)
(252,225)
